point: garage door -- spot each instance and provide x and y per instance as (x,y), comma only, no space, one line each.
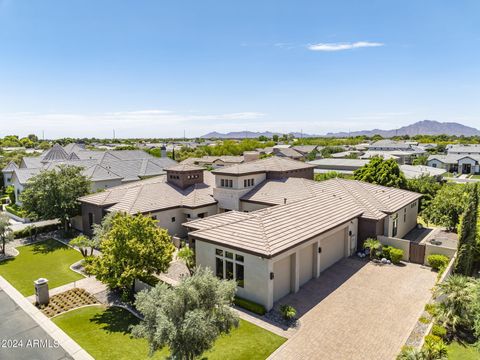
(306,264)
(333,249)
(281,281)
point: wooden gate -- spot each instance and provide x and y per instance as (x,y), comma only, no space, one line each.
(417,253)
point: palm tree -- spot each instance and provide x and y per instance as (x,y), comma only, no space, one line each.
(457,295)
(373,245)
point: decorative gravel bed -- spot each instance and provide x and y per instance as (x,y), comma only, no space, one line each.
(276,316)
(67,300)
(419,331)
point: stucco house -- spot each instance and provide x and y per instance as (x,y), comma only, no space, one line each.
(105,169)
(461,159)
(291,230)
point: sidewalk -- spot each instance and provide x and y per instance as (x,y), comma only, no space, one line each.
(41,325)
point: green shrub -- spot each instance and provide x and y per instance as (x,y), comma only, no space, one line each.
(396,255)
(250,305)
(439,331)
(431,309)
(386,252)
(16,210)
(437,261)
(34,230)
(288,311)
(424,320)
(431,339)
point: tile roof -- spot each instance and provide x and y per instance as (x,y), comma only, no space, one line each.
(23,175)
(288,152)
(377,201)
(270,164)
(184,167)
(453,158)
(465,149)
(153,195)
(271,231)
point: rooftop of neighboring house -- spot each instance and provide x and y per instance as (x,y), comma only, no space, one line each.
(377,201)
(453,158)
(124,165)
(288,152)
(230,159)
(415,171)
(305,149)
(154,194)
(464,149)
(339,162)
(270,164)
(390,144)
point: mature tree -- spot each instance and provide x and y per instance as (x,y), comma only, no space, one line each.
(447,206)
(330,175)
(381,172)
(327,151)
(84,244)
(100,230)
(188,257)
(134,247)
(53,194)
(467,234)
(187,318)
(420,160)
(5,231)
(426,185)
(275,137)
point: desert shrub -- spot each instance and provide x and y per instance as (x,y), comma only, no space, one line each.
(386,252)
(396,255)
(439,331)
(424,320)
(431,309)
(437,261)
(431,339)
(250,305)
(288,311)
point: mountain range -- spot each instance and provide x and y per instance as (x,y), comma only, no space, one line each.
(424,127)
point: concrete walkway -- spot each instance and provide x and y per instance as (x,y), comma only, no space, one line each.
(357,310)
(90,284)
(23,321)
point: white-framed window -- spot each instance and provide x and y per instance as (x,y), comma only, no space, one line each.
(230,266)
(226,183)
(173,219)
(248,182)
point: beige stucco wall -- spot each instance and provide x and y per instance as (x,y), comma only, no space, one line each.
(467,160)
(249,206)
(404,225)
(437,164)
(256,271)
(436,249)
(229,198)
(102,185)
(396,243)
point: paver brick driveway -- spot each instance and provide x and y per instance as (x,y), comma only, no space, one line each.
(357,310)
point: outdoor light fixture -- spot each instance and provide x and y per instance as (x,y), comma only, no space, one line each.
(272,276)
(319,249)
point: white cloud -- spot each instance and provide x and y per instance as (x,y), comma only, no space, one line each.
(329,47)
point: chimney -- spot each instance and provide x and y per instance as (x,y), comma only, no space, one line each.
(284,201)
(251,156)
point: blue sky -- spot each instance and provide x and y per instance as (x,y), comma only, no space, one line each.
(155,68)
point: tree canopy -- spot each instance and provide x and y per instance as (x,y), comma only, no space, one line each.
(53,194)
(6,233)
(447,206)
(187,318)
(133,247)
(381,172)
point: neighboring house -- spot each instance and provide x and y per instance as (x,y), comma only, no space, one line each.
(403,152)
(305,150)
(105,169)
(184,193)
(8,173)
(222,161)
(298,228)
(461,159)
(348,166)
(456,163)
(288,152)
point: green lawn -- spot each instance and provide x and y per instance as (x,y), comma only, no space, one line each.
(49,259)
(457,351)
(104,333)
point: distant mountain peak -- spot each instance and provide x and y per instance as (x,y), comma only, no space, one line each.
(424,127)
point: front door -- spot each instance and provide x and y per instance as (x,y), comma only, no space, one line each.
(466,168)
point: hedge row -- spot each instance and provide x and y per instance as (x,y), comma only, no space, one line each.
(250,305)
(29,231)
(15,210)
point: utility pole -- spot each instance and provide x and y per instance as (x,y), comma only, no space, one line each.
(43,134)
(113,134)
(184,135)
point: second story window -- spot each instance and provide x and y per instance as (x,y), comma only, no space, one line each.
(226,183)
(248,182)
